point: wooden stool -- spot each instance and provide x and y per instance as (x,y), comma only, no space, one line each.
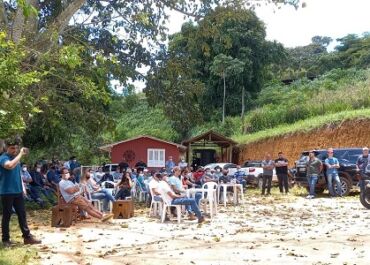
(62,216)
(123,209)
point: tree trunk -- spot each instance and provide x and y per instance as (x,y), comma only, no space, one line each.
(18,25)
(31,25)
(243,107)
(2,146)
(224,100)
(3,17)
(65,16)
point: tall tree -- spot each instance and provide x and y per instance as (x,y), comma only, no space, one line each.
(225,66)
(233,32)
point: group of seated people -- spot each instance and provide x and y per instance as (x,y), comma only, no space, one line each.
(171,190)
(41,180)
(46,178)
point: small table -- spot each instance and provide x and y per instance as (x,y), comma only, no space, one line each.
(235,188)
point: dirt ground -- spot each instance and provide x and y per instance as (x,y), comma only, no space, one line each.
(262,230)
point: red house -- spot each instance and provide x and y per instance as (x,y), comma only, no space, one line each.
(153,151)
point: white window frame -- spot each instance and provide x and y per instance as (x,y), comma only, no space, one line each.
(156,162)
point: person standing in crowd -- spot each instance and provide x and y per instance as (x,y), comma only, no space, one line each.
(332,165)
(268,166)
(123,165)
(73,163)
(169,165)
(182,164)
(314,167)
(11,192)
(281,166)
(140,165)
(362,162)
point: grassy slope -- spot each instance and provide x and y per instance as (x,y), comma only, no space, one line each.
(303,126)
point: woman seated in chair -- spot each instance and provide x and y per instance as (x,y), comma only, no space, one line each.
(95,192)
(124,187)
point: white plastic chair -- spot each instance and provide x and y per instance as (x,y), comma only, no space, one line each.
(209,195)
(167,206)
(155,206)
(96,202)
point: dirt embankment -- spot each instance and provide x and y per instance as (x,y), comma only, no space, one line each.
(347,134)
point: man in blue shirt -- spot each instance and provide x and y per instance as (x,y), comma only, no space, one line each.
(11,192)
(240,176)
(332,165)
(169,165)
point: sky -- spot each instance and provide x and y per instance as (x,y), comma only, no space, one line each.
(295,27)
(333,18)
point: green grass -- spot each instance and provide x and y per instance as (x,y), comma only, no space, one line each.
(303,126)
(17,254)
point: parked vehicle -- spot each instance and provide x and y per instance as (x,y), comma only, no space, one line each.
(111,168)
(254,171)
(229,166)
(347,158)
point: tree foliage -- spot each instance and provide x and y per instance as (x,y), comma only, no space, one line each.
(234,32)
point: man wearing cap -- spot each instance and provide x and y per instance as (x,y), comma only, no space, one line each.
(314,167)
(11,192)
(362,162)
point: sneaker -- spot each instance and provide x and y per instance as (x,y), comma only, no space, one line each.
(191,217)
(309,197)
(31,241)
(107,217)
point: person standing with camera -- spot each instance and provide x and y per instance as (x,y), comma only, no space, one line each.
(11,192)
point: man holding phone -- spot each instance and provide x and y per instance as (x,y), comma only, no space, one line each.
(11,192)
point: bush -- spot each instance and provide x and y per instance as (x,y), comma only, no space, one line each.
(337,90)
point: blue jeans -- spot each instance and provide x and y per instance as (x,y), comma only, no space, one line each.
(48,193)
(188,201)
(104,195)
(312,179)
(332,179)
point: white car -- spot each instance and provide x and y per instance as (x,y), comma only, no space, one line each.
(229,166)
(254,171)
